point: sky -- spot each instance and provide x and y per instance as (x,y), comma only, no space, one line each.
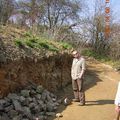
(114,5)
(116,9)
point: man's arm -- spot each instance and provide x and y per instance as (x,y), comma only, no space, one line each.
(72,67)
(83,69)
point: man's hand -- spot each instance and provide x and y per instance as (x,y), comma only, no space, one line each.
(81,74)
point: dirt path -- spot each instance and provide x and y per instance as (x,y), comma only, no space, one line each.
(101,87)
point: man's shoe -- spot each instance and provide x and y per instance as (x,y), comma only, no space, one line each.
(81,104)
(75,100)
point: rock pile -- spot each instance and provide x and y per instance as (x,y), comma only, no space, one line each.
(29,104)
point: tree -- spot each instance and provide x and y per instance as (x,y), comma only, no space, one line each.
(59,12)
(31,11)
(98,41)
(6,10)
(115,43)
(52,14)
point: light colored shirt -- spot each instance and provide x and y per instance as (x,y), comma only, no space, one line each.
(77,66)
(117,98)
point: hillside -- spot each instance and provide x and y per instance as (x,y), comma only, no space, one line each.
(26,57)
(19,43)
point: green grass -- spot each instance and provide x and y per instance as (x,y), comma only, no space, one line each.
(29,43)
(91,53)
(102,58)
(48,46)
(65,45)
(18,42)
(42,43)
(27,34)
(53,48)
(115,64)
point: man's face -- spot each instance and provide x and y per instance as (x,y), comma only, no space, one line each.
(75,54)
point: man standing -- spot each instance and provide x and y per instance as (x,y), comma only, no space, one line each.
(77,74)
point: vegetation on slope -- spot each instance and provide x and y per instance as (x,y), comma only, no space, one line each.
(16,43)
(102,58)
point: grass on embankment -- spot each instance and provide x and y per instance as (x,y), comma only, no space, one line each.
(33,41)
(23,37)
(102,58)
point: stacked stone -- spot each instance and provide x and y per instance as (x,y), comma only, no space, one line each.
(29,104)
